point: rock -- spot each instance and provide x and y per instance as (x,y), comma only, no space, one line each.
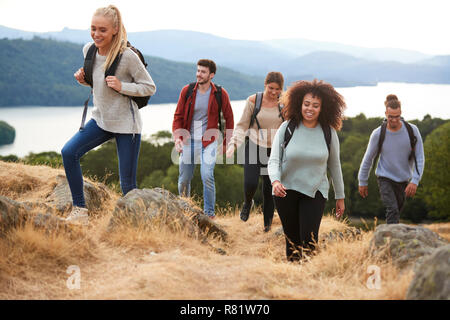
(406,245)
(49,222)
(349,233)
(12,214)
(432,278)
(141,207)
(61,197)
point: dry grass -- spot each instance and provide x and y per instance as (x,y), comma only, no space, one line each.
(160,263)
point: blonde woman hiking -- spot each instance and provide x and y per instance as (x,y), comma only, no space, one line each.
(115,113)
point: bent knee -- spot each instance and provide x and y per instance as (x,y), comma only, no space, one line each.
(68,153)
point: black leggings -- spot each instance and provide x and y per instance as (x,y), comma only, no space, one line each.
(256,159)
(300,216)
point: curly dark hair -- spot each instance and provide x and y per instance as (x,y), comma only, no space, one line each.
(333,104)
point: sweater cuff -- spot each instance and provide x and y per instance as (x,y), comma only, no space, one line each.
(274,177)
(363,183)
(339,196)
(127,89)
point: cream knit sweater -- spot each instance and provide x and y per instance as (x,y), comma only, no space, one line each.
(115,111)
(269,119)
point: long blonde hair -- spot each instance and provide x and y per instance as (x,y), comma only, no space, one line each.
(119,41)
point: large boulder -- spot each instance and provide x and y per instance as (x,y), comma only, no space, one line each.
(15,214)
(432,278)
(407,245)
(12,214)
(61,197)
(145,207)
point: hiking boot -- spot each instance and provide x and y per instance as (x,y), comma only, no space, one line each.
(78,216)
(268,226)
(245,212)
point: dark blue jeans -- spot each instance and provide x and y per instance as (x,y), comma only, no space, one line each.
(87,139)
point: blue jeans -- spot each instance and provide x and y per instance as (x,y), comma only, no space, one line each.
(87,139)
(194,153)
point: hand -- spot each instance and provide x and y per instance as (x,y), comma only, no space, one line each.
(278,189)
(179,145)
(230,151)
(363,191)
(79,76)
(340,208)
(411,189)
(113,83)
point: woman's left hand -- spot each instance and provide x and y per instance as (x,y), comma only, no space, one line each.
(340,207)
(114,83)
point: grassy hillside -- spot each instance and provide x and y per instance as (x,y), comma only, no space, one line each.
(161,264)
(40,72)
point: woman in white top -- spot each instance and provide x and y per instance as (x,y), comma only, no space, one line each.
(115,114)
(258,124)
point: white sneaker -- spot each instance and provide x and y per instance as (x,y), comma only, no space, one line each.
(78,216)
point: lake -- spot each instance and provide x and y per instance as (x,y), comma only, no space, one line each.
(41,129)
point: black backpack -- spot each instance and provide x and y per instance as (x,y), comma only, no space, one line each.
(218,96)
(258,102)
(88,69)
(290,131)
(412,140)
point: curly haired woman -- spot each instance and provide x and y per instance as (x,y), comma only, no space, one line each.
(298,170)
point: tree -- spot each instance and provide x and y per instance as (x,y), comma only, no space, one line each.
(7,133)
(436,179)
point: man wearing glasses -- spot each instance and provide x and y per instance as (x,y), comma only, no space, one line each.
(398,144)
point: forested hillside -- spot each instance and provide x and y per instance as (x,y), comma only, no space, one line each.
(40,72)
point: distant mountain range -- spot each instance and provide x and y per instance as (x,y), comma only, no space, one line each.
(341,65)
(293,57)
(40,72)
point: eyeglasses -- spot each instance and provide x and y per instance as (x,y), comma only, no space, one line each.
(393,117)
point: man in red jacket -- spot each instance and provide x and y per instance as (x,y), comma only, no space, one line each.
(196,131)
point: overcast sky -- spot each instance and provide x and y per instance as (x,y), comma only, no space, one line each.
(408,24)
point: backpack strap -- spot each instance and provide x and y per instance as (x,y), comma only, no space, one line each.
(258,103)
(327,135)
(88,67)
(412,141)
(89,64)
(218,96)
(188,94)
(381,139)
(113,67)
(288,133)
(280,107)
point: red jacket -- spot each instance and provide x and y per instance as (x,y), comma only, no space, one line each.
(181,120)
